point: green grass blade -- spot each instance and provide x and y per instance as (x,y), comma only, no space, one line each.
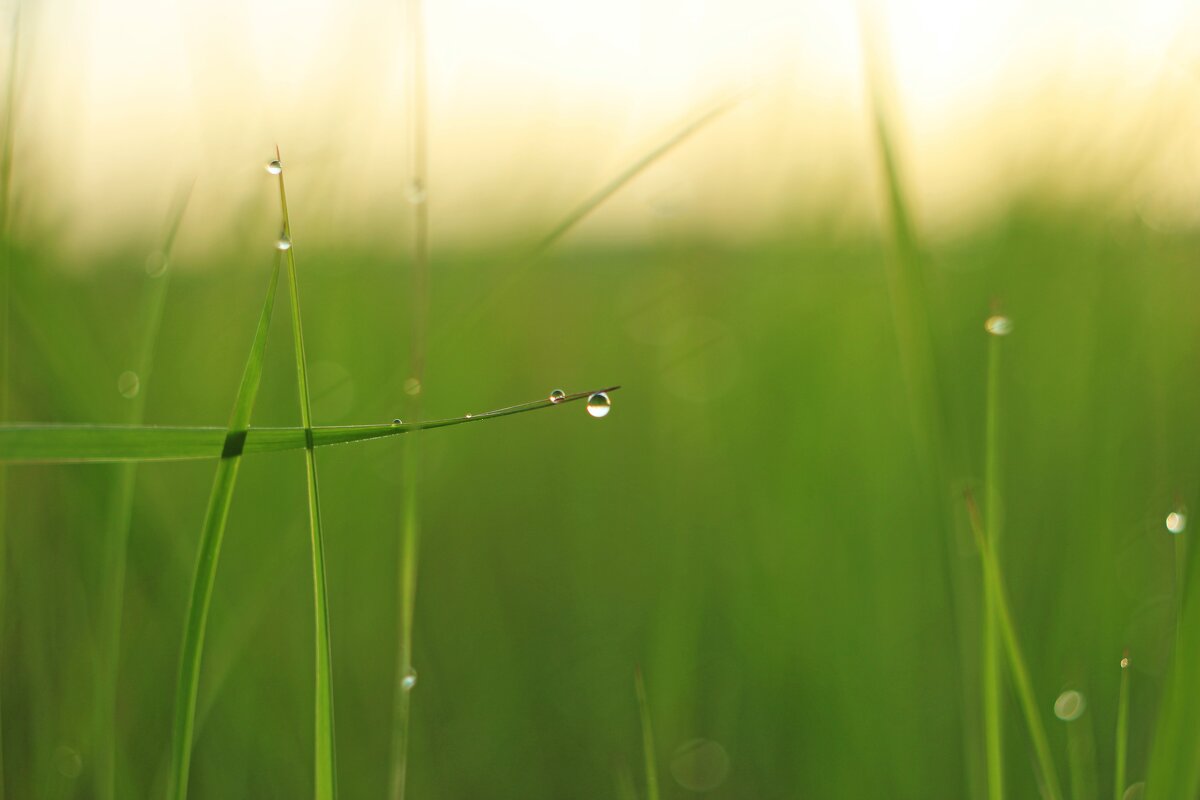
(993,708)
(325,765)
(66,443)
(410,522)
(1121,757)
(1051,787)
(120,516)
(209,551)
(648,749)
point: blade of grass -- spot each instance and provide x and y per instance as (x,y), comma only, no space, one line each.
(55,443)
(993,708)
(120,517)
(210,549)
(1081,755)
(1051,788)
(410,534)
(6,305)
(1121,756)
(648,749)
(908,297)
(325,765)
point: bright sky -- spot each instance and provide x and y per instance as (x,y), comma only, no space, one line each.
(535,102)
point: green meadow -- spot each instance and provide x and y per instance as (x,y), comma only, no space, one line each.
(755,525)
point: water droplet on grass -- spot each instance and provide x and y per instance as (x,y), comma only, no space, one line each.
(1177,521)
(598,405)
(1125,662)
(557,396)
(284,242)
(1069,706)
(998,325)
(409,680)
(128,384)
(397,422)
(274,167)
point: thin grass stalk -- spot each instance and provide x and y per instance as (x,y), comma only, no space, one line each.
(993,708)
(325,757)
(6,305)
(209,551)
(33,443)
(410,534)
(120,518)
(1121,750)
(648,748)
(1081,757)
(908,296)
(1051,788)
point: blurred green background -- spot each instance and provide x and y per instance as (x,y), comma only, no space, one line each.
(748,524)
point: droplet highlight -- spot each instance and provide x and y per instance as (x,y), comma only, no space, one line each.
(598,405)
(397,421)
(1070,705)
(274,167)
(409,680)
(1125,662)
(1177,521)
(557,396)
(284,242)
(998,325)
(128,384)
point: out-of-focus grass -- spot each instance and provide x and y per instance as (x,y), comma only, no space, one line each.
(747,523)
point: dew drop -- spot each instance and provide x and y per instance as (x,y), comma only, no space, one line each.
(128,384)
(274,167)
(1125,662)
(1177,521)
(397,422)
(468,416)
(156,264)
(412,387)
(415,192)
(598,405)
(284,242)
(557,396)
(1069,706)
(409,680)
(998,325)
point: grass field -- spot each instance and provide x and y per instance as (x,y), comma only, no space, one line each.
(750,524)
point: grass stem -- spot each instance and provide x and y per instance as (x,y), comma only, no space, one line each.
(1121,751)
(648,748)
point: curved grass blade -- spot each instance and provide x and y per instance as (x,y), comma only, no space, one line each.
(210,549)
(120,516)
(36,443)
(325,765)
(1051,788)
(648,749)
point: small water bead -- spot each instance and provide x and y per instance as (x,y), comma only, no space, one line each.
(397,422)
(468,416)
(1070,705)
(274,167)
(156,264)
(284,242)
(598,405)
(998,325)
(1177,521)
(412,387)
(557,396)
(128,384)
(409,680)
(1125,662)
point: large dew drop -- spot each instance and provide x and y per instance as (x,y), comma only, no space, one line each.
(1069,706)
(409,680)
(1177,521)
(284,243)
(998,325)
(598,405)
(274,167)
(557,396)
(128,384)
